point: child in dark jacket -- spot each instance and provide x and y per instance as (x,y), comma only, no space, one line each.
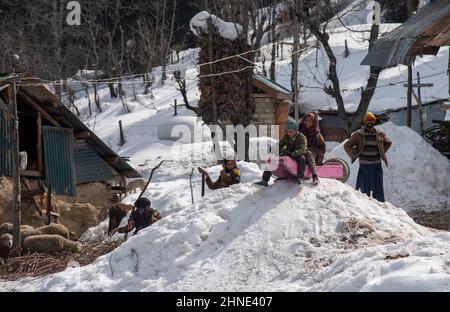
(228,176)
(294,145)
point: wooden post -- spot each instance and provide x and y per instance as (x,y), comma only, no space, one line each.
(15,174)
(409,97)
(175,107)
(419,102)
(295,58)
(39,143)
(346,52)
(122,136)
(190,183)
(203,184)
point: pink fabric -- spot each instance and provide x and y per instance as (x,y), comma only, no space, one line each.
(286,167)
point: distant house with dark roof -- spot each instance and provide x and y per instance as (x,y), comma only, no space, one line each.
(423,33)
(61,150)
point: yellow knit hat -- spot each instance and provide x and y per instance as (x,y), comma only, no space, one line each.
(369,116)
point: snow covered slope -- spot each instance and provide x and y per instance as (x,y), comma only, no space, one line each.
(418,175)
(280,238)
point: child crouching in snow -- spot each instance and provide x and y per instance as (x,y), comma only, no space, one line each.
(294,145)
(143,216)
(228,176)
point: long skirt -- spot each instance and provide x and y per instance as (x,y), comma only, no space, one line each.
(370,181)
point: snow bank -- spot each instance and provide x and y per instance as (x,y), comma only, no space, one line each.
(416,265)
(417,176)
(227,30)
(242,238)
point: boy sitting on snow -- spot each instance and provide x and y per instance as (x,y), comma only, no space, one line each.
(294,145)
(228,176)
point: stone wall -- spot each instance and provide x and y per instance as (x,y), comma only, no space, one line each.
(264,111)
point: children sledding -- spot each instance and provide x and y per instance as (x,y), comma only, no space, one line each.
(304,144)
(294,146)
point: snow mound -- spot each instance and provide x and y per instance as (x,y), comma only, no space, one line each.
(416,265)
(228,30)
(418,175)
(241,238)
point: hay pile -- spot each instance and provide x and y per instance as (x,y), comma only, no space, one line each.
(36,264)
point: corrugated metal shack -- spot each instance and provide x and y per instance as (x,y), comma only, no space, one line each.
(423,33)
(61,150)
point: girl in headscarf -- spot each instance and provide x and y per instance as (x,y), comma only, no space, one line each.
(309,126)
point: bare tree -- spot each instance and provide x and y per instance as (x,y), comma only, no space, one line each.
(334,90)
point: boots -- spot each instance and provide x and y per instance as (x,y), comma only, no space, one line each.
(262,183)
(315,180)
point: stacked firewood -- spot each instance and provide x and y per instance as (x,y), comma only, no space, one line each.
(439,136)
(228,77)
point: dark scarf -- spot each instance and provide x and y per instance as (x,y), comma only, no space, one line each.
(310,133)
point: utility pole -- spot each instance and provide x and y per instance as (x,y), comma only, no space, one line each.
(418,99)
(15,172)
(122,140)
(409,97)
(419,102)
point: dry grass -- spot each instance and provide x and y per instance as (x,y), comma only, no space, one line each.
(36,264)
(439,220)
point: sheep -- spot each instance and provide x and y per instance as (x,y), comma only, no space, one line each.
(6,228)
(5,244)
(116,214)
(27,230)
(50,244)
(136,184)
(54,229)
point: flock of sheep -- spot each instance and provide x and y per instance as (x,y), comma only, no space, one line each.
(50,239)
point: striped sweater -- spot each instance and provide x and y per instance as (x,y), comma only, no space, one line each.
(370,154)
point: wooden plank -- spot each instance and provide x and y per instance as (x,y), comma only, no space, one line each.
(16,199)
(82,135)
(409,97)
(32,173)
(39,143)
(419,85)
(30,193)
(38,108)
(35,202)
(52,213)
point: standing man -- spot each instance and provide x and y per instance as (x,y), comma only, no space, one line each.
(370,146)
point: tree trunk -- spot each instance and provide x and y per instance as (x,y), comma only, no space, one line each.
(274,46)
(16,205)
(112,92)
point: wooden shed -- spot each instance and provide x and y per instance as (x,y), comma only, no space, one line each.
(61,151)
